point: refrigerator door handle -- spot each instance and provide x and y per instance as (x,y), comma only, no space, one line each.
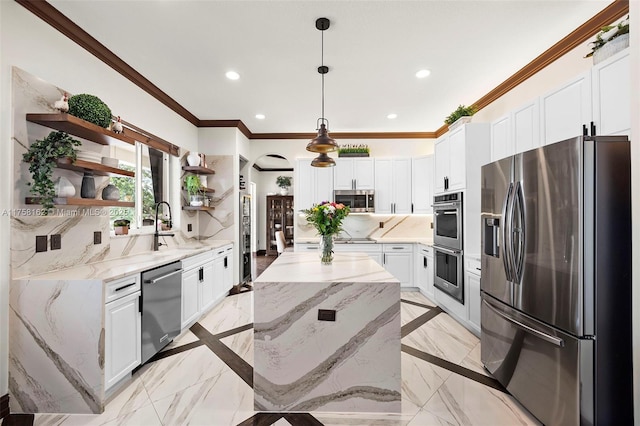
(518,261)
(506,234)
(544,336)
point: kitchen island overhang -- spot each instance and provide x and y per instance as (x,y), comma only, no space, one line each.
(304,361)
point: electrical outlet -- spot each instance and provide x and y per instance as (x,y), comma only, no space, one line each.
(97,237)
(381,225)
(189,227)
(41,243)
(326,314)
(56,242)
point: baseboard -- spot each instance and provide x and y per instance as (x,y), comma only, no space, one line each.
(4,406)
(261,253)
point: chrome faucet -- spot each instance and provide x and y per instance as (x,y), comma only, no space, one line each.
(156,243)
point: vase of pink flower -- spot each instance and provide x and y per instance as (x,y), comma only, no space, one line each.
(327,218)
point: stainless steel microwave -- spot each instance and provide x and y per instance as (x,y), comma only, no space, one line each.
(359,201)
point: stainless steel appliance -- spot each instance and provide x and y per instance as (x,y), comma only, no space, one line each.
(448,272)
(556,280)
(245,239)
(447,220)
(359,201)
(161,307)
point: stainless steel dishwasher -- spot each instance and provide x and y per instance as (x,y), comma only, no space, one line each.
(161,304)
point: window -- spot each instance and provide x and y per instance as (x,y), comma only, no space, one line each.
(151,183)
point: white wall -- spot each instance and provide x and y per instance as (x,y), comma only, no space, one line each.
(634,45)
(29,43)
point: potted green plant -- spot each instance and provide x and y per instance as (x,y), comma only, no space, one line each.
(42,156)
(461,111)
(353,151)
(90,108)
(284,182)
(121,226)
(194,189)
(614,37)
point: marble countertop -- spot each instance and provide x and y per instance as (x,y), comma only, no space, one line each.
(113,269)
(379,240)
(306,268)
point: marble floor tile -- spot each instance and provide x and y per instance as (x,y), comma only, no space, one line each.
(221,400)
(242,344)
(420,380)
(425,418)
(282,422)
(169,375)
(362,419)
(410,312)
(182,339)
(461,401)
(234,311)
(416,296)
(443,337)
(142,416)
(473,361)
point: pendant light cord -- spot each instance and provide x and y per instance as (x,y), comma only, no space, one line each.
(322,64)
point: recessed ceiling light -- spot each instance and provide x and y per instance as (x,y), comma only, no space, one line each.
(392,116)
(260,116)
(423,73)
(232,75)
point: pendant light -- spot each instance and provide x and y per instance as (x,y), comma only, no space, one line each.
(322,143)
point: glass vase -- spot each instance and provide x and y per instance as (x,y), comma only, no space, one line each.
(326,249)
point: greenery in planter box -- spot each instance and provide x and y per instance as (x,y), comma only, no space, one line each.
(42,156)
(283,182)
(608,33)
(90,108)
(461,111)
(121,222)
(353,149)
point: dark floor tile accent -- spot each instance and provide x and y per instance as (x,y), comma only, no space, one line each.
(411,302)
(240,288)
(302,419)
(4,406)
(261,419)
(455,368)
(233,331)
(176,350)
(420,321)
(241,367)
(18,420)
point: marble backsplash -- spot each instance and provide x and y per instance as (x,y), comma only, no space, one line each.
(368,226)
(218,223)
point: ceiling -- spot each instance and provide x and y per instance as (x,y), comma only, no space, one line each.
(373,50)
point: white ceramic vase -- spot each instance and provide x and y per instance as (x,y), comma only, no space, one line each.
(64,188)
(193,159)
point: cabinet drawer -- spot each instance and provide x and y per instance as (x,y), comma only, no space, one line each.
(305,247)
(353,248)
(122,287)
(197,260)
(425,250)
(221,251)
(397,248)
(473,266)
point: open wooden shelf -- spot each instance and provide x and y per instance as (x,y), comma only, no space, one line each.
(82,202)
(77,127)
(203,189)
(198,170)
(197,208)
(98,169)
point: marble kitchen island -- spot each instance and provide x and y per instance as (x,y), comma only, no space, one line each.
(302,363)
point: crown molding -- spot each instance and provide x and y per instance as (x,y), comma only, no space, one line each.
(57,20)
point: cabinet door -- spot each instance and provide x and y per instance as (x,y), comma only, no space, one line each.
(612,95)
(227,281)
(304,187)
(123,338)
(190,305)
(501,143)
(441,161)
(473,287)
(399,265)
(323,185)
(420,273)
(566,110)
(384,185)
(430,272)
(457,163)
(343,176)
(207,280)
(422,184)
(401,182)
(364,173)
(526,127)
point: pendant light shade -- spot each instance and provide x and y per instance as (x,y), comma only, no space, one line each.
(322,143)
(323,160)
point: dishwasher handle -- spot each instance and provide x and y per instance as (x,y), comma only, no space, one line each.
(160,278)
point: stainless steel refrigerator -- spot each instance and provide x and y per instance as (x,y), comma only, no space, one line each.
(245,239)
(556,280)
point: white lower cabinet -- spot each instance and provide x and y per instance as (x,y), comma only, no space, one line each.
(472,278)
(373,250)
(397,259)
(423,277)
(190,306)
(122,329)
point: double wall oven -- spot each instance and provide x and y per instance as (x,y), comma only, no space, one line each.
(448,253)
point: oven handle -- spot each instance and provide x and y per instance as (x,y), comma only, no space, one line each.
(446,250)
(544,336)
(445,204)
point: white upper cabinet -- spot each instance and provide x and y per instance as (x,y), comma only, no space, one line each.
(393,185)
(501,139)
(422,184)
(525,122)
(313,184)
(441,164)
(566,111)
(354,173)
(611,80)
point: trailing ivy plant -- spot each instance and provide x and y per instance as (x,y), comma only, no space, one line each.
(90,108)
(42,156)
(461,111)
